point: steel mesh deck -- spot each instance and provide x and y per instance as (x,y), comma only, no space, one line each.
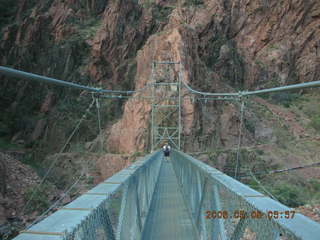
(168,217)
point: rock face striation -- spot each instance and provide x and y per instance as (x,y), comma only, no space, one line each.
(223,46)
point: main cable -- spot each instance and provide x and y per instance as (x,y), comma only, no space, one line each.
(208,93)
(35,77)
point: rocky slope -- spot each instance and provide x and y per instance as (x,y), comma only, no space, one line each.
(242,44)
(16,180)
(239,44)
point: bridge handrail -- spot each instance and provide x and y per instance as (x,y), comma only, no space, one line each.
(113,209)
(206,189)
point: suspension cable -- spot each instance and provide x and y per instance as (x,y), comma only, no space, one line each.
(99,122)
(208,93)
(65,193)
(261,185)
(240,138)
(258,92)
(56,159)
(30,76)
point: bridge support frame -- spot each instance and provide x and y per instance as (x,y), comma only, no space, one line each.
(166,104)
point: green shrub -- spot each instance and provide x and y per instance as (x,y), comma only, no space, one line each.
(290,195)
(315,185)
(283,137)
(138,154)
(38,196)
(249,125)
(8,10)
(259,151)
(310,109)
(253,184)
(5,144)
(290,190)
(90,180)
(315,122)
(213,48)
(314,189)
(161,13)
(30,160)
(194,2)
(284,98)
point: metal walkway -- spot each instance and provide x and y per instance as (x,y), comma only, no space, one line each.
(168,215)
(182,199)
(153,199)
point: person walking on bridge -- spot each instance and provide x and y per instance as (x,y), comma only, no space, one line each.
(166,151)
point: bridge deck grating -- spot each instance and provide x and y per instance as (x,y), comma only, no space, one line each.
(168,217)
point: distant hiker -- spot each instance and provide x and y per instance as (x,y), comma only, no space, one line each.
(166,151)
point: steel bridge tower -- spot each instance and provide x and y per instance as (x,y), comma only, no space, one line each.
(166,104)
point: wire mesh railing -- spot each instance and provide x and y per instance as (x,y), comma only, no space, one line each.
(114,209)
(223,208)
(219,206)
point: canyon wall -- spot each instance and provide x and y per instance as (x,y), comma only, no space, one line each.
(223,46)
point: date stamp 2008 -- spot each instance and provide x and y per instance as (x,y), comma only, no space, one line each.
(242,214)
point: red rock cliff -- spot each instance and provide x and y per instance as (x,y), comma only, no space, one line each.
(223,45)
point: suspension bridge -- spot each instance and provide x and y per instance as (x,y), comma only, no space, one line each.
(182,198)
